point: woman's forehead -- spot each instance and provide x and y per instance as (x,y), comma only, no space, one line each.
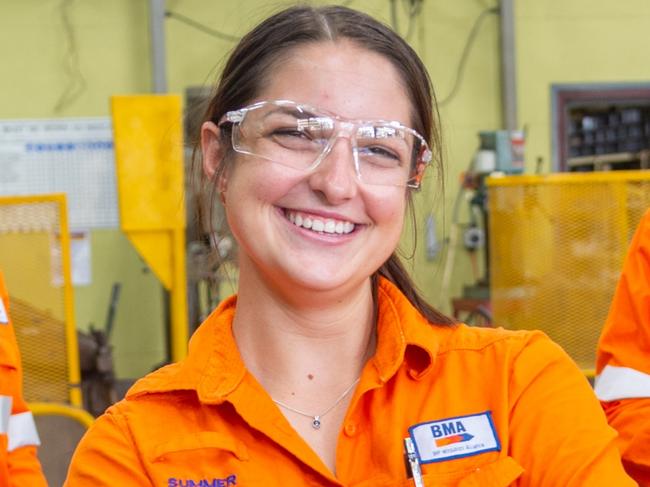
(341,78)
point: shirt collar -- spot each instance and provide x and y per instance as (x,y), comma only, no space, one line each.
(403,335)
(224,368)
(214,367)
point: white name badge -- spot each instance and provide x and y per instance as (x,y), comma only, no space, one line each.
(450,438)
(4,318)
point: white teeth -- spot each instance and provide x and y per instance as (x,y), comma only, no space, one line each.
(330,226)
(321,226)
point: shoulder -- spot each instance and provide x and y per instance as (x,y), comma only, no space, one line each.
(163,393)
(645,220)
(156,387)
(134,422)
(641,240)
(495,344)
(464,337)
(166,378)
(399,319)
(638,254)
(154,395)
(513,358)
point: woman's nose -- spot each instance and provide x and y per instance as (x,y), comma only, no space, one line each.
(335,176)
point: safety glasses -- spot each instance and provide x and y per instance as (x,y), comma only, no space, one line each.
(300,137)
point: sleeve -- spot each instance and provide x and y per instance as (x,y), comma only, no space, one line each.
(25,468)
(107,456)
(558,432)
(22,439)
(631,418)
(17,428)
(623,357)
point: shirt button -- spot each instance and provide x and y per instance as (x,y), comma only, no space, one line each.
(351,428)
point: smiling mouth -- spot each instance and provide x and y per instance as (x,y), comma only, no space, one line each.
(320,225)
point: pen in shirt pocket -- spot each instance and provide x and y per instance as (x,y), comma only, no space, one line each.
(413,465)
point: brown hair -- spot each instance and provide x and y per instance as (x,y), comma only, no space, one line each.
(259,51)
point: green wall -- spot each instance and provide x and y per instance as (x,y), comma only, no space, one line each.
(558,41)
(138,335)
(576,41)
(111,44)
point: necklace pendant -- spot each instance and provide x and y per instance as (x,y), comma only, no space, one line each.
(316,422)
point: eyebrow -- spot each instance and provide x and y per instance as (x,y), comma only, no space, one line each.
(304,112)
(288,110)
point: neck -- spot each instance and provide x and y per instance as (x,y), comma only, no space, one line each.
(303,341)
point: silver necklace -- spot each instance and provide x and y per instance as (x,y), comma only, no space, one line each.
(316,418)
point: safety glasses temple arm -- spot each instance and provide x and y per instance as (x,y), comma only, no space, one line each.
(234,116)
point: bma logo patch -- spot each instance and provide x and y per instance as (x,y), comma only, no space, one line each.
(457,437)
(449,433)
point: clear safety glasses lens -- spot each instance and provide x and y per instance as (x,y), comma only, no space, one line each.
(384,153)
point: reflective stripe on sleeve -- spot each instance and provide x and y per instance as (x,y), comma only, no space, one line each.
(615,383)
(5,413)
(22,431)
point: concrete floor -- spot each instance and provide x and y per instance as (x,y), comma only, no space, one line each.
(59,437)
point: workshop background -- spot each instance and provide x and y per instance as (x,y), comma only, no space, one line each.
(537,90)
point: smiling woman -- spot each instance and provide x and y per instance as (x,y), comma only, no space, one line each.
(328,368)
(324,169)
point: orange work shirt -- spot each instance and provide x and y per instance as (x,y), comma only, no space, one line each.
(19,465)
(623,360)
(483,407)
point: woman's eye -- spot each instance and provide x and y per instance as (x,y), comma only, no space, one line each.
(382,152)
(288,132)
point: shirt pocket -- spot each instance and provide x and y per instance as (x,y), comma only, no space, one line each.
(499,473)
(196,442)
(199,459)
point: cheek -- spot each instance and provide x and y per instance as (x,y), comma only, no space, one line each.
(388,209)
(260,182)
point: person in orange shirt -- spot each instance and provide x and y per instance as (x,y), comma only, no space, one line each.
(328,368)
(623,360)
(19,465)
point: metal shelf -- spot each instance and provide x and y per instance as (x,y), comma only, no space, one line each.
(598,161)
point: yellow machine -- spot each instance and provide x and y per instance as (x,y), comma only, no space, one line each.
(149,169)
(35,259)
(557,244)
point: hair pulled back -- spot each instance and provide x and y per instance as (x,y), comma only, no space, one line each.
(252,62)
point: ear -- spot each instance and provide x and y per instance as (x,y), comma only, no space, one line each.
(213,151)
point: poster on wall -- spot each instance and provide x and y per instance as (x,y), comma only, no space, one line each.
(69,155)
(80,256)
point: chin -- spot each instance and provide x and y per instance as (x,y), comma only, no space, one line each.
(322,281)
